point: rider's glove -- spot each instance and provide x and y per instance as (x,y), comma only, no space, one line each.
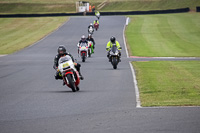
(78,65)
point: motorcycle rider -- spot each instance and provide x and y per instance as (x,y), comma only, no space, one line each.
(62,52)
(96,21)
(110,44)
(90,38)
(91,26)
(83,40)
(97,14)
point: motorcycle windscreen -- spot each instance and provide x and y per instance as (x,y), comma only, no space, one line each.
(64,59)
(114,48)
(83,45)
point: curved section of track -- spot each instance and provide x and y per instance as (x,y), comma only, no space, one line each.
(31,100)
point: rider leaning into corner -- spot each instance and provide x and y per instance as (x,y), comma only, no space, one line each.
(62,52)
(110,45)
(90,38)
(97,14)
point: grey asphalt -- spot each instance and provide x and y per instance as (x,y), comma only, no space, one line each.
(32,101)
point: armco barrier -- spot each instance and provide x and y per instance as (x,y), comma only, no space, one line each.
(102,13)
(198,8)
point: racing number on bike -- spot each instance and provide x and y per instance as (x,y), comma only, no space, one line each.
(65,65)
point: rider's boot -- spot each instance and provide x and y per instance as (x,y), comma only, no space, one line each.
(63,83)
(81,77)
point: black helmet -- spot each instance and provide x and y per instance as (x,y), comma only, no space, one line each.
(61,50)
(112,39)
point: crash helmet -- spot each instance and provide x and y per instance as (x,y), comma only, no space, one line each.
(96,20)
(112,39)
(91,24)
(83,38)
(61,50)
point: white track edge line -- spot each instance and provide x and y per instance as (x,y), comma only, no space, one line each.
(138,105)
(127,54)
(137,94)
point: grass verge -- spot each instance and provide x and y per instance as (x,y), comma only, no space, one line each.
(17,33)
(168,83)
(58,6)
(169,35)
(144,5)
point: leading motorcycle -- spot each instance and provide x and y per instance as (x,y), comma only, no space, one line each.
(69,73)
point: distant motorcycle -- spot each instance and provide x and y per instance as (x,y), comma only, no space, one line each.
(96,26)
(90,30)
(69,73)
(91,48)
(98,15)
(83,51)
(114,56)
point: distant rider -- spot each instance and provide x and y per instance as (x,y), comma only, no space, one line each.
(90,38)
(91,26)
(110,45)
(97,14)
(96,21)
(62,52)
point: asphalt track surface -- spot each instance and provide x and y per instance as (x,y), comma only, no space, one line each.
(32,101)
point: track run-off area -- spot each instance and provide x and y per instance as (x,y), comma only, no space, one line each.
(31,100)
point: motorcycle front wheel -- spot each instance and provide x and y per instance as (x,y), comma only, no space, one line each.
(71,82)
(114,62)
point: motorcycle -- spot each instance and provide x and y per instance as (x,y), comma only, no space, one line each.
(83,51)
(114,56)
(96,26)
(69,73)
(90,30)
(98,15)
(91,48)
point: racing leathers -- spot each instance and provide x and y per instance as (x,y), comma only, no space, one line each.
(92,40)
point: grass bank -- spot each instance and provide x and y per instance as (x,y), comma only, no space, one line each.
(17,33)
(168,83)
(169,35)
(145,5)
(60,6)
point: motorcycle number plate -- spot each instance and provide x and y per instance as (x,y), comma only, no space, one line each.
(65,65)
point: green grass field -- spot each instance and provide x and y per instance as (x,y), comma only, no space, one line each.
(166,35)
(168,83)
(60,6)
(17,33)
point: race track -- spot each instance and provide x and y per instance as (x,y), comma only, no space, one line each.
(32,101)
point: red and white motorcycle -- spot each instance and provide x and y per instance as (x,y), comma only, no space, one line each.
(83,51)
(69,73)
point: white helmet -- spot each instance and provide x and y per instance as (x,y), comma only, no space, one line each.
(91,24)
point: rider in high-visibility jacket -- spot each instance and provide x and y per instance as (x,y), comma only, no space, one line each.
(110,44)
(96,21)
